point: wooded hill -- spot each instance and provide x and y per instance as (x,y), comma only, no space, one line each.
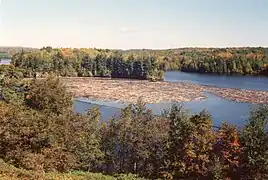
(87,63)
(244,60)
(119,63)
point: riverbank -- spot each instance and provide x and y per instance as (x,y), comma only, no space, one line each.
(129,91)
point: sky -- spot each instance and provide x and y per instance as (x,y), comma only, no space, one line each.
(132,24)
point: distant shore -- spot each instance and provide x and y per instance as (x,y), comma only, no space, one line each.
(129,91)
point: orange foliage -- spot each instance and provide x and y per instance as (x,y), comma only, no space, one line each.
(229,145)
(67,52)
(251,56)
(4,109)
(28,96)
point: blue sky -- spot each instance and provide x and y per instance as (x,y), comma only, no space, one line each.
(127,24)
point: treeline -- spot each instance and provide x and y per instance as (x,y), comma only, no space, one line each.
(39,132)
(10,51)
(144,64)
(230,61)
(87,63)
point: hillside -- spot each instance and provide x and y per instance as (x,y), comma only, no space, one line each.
(3,55)
(121,63)
(13,50)
(228,61)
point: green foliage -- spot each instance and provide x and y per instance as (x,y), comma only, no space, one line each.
(11,84)
(3,55)
(255,144)
(74,62)
(86,143)
(10,51)
(50,95)
(134,142)
(9,172)
(107,63)
(43,138)
(191,142)
(248,60)
(44,134)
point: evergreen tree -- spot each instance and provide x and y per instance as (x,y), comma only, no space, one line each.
(255,145)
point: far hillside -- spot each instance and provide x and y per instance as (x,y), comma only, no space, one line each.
(10,51)
(123,63)
(235,60)
(142,63)
(3,55)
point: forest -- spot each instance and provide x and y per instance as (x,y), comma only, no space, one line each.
(42,138)
(87,63)
(228,61)
(140,64)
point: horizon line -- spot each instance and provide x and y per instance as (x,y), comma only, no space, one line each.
(127,49)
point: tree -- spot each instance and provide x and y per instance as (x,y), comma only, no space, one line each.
(190,145)
(229,151)
(44,138)
(180,131)
(200,149)
(255,147)
(134,143)
(11,85)
(49,95)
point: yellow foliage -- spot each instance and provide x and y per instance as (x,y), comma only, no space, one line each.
(4,109)
(225,55)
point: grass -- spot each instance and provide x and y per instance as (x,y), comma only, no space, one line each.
(9,172)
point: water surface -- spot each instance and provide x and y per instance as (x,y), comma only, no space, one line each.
(220,109)
(5,61)
(241,82)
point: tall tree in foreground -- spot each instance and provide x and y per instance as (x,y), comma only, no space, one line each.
(228,151)
(190,145)
(255,144)
(134,143)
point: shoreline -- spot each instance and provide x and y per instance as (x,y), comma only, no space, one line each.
(129,91)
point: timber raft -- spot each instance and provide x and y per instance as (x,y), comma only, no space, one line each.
(129,91)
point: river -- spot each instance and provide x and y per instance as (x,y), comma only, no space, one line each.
(5,61)
(240,82)
(220,109)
